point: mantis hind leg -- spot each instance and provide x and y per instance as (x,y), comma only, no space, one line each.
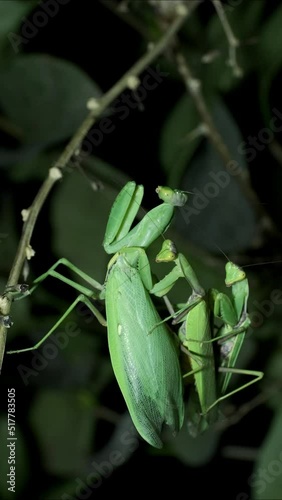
(80,298)
(52,272)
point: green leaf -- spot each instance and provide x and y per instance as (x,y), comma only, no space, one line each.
(273,375)
(11,15)
(101,465)
(274,366)
(63,424)
(176,147)
(270,58)
(23,154)
(266,480)
(21,456)
(36,166)
(213,215)
(194,451)
(50,103)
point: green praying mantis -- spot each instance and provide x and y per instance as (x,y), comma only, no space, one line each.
(144,354)
(146,366)
(197,337)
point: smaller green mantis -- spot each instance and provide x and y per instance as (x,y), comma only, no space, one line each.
(146,365)
(196,334)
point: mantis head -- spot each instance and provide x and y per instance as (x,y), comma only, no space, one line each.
(168,252)
(172,196)
(234,274)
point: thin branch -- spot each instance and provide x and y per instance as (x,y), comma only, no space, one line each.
(232,40)
(74,145)
(139,25)
(242,175)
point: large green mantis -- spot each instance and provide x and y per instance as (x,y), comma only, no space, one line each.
(146,365)
(143,353)
(211,372)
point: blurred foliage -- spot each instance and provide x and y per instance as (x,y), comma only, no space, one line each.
(74,437)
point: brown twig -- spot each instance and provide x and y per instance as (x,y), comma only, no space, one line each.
(193,86)
(232,40)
